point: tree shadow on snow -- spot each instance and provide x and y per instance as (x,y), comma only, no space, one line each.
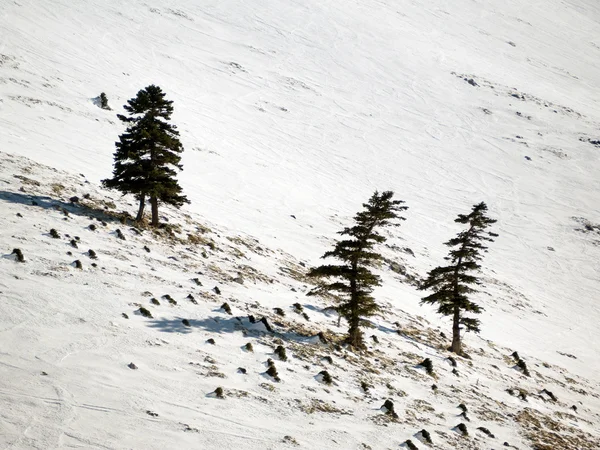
(229,324)
(215,324)
(45,202)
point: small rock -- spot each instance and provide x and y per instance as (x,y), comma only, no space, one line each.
(219,392)
(74,199)
(132,366)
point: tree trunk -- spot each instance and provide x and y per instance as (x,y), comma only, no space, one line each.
(456,344)
(354,333)
(154,204)
(140,214)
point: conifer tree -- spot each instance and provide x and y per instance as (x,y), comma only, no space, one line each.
(351,279)
(148,153)
(452,284)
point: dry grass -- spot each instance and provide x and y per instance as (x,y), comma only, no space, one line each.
(545,433)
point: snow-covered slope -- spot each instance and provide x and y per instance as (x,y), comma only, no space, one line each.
(296,109)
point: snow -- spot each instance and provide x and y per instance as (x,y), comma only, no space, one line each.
(303,109)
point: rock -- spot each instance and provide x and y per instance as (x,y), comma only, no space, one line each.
(132,366)
(472,82)
(74,199)
(238,280)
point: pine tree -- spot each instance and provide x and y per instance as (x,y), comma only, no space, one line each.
(352,281)
(148,152)
(451,284)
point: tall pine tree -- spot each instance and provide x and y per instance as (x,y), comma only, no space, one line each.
(148,153)
(351,279)
(453,283)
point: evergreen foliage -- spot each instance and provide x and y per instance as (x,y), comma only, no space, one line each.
(281,353)
(326,377)
(145,312)
(428,364)
(410,445)
(523,366)
(486,431)
(352,281)
(453,283)
(463,429)
(148,153)
(426,436)
(272,371)
(18,255)
(219,392)
(104,101)
(388,407)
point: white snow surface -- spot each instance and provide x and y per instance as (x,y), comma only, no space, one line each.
(297,108)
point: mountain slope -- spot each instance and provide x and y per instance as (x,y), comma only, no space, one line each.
(299,109)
